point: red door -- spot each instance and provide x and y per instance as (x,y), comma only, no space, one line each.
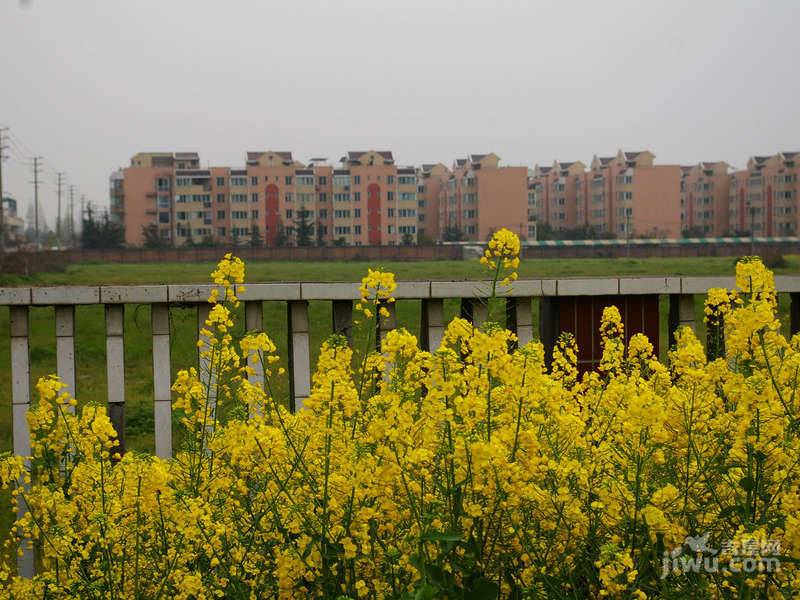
(273,216)
(581,315)
(374,214)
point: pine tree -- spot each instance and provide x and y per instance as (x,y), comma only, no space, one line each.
(256,239)
(304,229)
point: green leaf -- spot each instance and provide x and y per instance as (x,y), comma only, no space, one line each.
(425,592)
(748,484)
(482,589)
(442,536)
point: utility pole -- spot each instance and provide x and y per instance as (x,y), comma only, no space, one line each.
(72,215)
(60,176)
(628,233)
(2,216)
(37,167)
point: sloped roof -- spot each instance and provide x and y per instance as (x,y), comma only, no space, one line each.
(355,154)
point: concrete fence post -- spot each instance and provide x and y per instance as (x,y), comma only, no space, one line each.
(115,369)
(519,319)
(299,355)
(681,312)
(432,326)
(162,394)
(65,348)
(343,318)
(21,403)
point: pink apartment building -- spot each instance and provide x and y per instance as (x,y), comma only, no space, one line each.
(704,199)
(272,200)
(481,197)
(621,196)
(763,197)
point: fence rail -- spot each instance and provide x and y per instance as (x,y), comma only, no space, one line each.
(681,291)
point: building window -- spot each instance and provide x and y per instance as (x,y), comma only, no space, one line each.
(163,217)
(221,198)
(254,180)
(390,196)
(357,212)
(238,181)
(238,197)
(221,231)
(254,197)
(288,180)
(253,214)
(390,213)
(322,180)
(162,184)
(220,182)
(323,197)
(163,202)
(356,179)
(288,196)
(357,196)
(390,179)
(221,215)
(305,180)
(288,213)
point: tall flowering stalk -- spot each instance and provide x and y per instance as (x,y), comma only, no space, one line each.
(474,471)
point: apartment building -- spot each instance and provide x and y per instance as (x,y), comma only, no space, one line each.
(629,196)
(482,197)
(374,200)
(620,196)
(272,200)
(763,197)
(431,186)
(704,199)
(558,194)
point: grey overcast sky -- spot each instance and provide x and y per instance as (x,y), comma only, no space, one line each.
(88,83)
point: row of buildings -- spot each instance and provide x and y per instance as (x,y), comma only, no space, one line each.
(367,199)
(628,195)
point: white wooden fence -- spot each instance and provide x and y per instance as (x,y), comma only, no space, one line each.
(341,295)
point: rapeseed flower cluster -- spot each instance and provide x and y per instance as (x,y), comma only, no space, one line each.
(502,256)
(477,470)
(376,292)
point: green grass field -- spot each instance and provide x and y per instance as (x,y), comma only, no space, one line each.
(93,273)
(90,339)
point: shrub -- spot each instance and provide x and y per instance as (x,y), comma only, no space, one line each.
(470,472)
